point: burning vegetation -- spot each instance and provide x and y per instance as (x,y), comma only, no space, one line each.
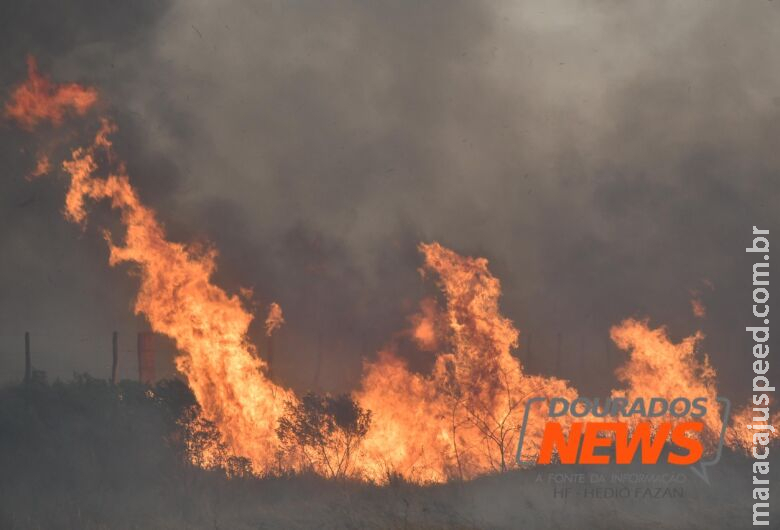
(456,422)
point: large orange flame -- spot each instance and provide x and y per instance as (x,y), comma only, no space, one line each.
(462,419)
(659,368)
(179,300)
(38,99)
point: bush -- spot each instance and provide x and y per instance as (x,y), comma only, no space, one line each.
(324,431)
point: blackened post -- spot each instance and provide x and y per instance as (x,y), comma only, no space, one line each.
(114,357)
(27,359)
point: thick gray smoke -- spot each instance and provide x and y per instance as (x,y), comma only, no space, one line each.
(607,157)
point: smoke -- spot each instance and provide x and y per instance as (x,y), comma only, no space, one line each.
(53,280)
(607,158)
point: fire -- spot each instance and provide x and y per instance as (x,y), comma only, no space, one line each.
(740,433)
(42,167)
(179,300)
(659,368)
(698,308)
(426,325)
(463,418)
(274,320)
(458,421)
(38,99)
(697,304)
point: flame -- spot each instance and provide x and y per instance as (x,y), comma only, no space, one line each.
(38,99)
(426,325)
(746,422)
(179,299)
(697,304)
(463,418)
(698,308)
(274,320)
(657,367)
(42,167)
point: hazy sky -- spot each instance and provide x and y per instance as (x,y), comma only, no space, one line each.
(607,158)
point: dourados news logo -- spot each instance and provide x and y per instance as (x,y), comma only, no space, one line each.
(619,431)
